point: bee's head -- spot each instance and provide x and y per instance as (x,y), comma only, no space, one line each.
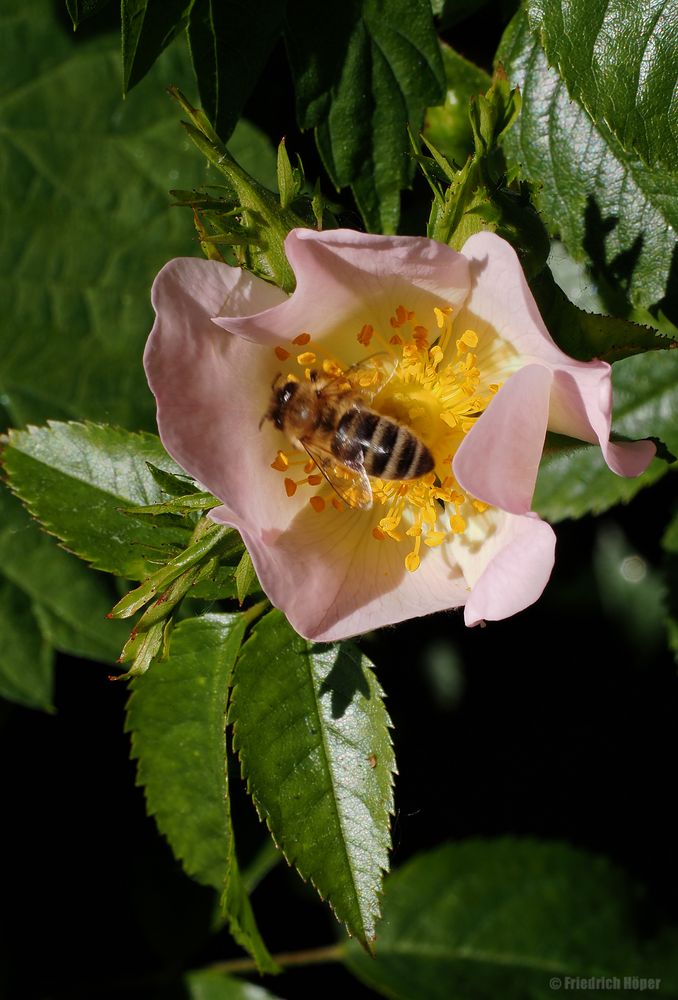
(282,391)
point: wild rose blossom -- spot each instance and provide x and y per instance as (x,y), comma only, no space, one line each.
(475,375)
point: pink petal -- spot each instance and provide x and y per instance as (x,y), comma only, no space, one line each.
(333,579)
(514,566)
(347,279)
(498,460)
(212,388)
(500,303)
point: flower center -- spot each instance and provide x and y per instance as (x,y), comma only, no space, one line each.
(429,384)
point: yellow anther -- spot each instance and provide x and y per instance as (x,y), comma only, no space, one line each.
(307,358)
(470,338)
(440,317)
(412,562)
(448,418)
(434,538)
(480,506)
(457,524)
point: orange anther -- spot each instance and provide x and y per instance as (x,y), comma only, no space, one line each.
(337,504)
(314,480)
(366,334)
(290,487)
(281,354)
(396,339)
(302,338)
(378,534)
(317,503)
(281,462)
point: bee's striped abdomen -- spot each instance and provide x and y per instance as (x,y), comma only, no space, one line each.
(387,449)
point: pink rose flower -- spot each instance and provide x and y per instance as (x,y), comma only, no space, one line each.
(470,369)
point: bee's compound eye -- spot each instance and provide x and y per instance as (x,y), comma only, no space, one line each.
(286,393)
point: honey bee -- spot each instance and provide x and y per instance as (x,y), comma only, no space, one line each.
(329,417)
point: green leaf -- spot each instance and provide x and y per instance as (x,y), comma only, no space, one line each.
(69,602)
(573,478)
(362,72)
(87,221)
(607,206)
(585,335)
(312,735)
(177,717)
(147,30)
(208,985)
(448,127)
(245,577)
(230,43)
(26,658)
(74,478)
(505,918)
(80,10)
(618,59)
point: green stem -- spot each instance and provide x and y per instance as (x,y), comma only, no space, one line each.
(311,956)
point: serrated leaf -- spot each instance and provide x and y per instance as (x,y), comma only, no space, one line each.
(586,335)
(69,602)
(204,984)
(508,918)
(448,127)
(607,206)
(87,221)
(618,59)
(362,72)
(26,658)
(573,478)
(312,735)
(74,478)
(80,10)
(177,717)
(230,43)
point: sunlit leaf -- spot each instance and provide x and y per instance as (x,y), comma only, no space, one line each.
(607,205)
(312,735)
(75,478)
(618,59)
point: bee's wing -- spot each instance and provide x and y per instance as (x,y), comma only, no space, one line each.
(367,377)
(351,484)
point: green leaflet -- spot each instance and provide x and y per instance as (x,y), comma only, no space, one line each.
(177,717)
(80,10)
(312,735)
(607,205)
(75,478)
(618,59)
(573,478)
(147,30)
(230,43)
(363,71)
(506,918)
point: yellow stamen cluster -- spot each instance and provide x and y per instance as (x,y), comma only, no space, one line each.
(439,393)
